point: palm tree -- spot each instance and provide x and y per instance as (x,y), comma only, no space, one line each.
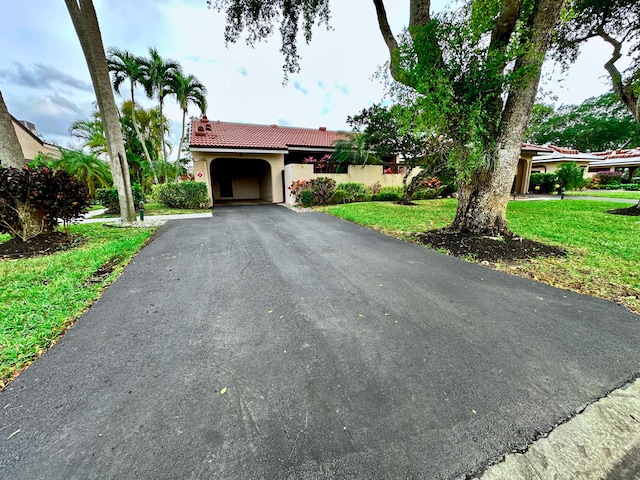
(353,150)
(188,90)
(91,133)
(86,168)
(85,22)
(157,77)
(126,66)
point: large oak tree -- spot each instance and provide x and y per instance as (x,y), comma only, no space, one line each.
(477,69)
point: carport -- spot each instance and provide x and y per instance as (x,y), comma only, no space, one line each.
(241,179)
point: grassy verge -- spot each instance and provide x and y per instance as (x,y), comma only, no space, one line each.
(155,208)
(605,194)
(41,297)
(604,248)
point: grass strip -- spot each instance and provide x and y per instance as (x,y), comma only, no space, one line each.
(43,296)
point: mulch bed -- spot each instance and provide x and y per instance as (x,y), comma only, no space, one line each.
(43,244)
(629,211)
(487,249)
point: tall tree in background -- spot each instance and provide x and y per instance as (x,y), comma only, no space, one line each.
(598,124)
(188,90)
(158,74)
(476,69)
(125,66)
(10,150)
(85,22)
(616,22)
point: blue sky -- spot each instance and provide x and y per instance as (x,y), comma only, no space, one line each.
(44,78)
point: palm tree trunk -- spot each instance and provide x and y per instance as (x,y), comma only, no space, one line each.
(140,139)
(11,154)
(184,118)
(85,22)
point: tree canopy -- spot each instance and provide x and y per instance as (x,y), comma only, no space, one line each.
(599,123)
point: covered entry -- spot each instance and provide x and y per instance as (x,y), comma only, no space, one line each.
(241,179)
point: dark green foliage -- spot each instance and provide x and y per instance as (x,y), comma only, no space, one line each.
(630,186)
(600,123)
(306,198)
(388,194)
(187,194)
(544,181)
(338,196)
(354,192)
(569,176)
(108,197)
(34,200)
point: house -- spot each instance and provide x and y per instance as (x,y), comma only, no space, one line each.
(550,162)
(248,162)
(30,142)
(617,160)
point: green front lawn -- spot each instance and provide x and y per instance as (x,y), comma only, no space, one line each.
(155,208)
(604,248)
(41,297)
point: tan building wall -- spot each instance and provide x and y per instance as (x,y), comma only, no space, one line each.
(367,174)
(267,187)
(552,167)
(31,147)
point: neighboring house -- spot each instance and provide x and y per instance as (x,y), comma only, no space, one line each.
(549,163)
(528,152)
(617,160)
(30,142)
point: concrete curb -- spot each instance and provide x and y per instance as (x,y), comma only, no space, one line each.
(602,442)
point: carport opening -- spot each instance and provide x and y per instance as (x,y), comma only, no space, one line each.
(239,179)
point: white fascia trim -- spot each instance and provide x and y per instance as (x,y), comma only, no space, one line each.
(312,149)
(235,150)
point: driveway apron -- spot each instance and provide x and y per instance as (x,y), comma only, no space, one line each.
(264,343)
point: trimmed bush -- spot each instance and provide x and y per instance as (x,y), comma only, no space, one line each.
(609,178)
(108,197)
(187,194)
(306,198)
(354,192)
(388,194)
(426,194)
(630,186)
(338,196)
(321,187)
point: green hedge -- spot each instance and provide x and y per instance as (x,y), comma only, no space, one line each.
(388,194)
(108,197)
(187,194)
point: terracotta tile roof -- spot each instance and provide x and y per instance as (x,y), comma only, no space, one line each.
(620,153)
(216,134)
(536,148)
(567,151)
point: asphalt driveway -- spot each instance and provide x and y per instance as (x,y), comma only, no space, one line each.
(344,354)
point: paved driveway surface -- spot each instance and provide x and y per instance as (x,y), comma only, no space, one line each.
(344,353)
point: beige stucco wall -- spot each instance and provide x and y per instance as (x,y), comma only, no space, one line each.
(269,187)
(32,147)
(367,174)
(551,167)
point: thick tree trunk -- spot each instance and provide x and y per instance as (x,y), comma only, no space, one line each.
(11,154)
(85,22)
(482,202)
